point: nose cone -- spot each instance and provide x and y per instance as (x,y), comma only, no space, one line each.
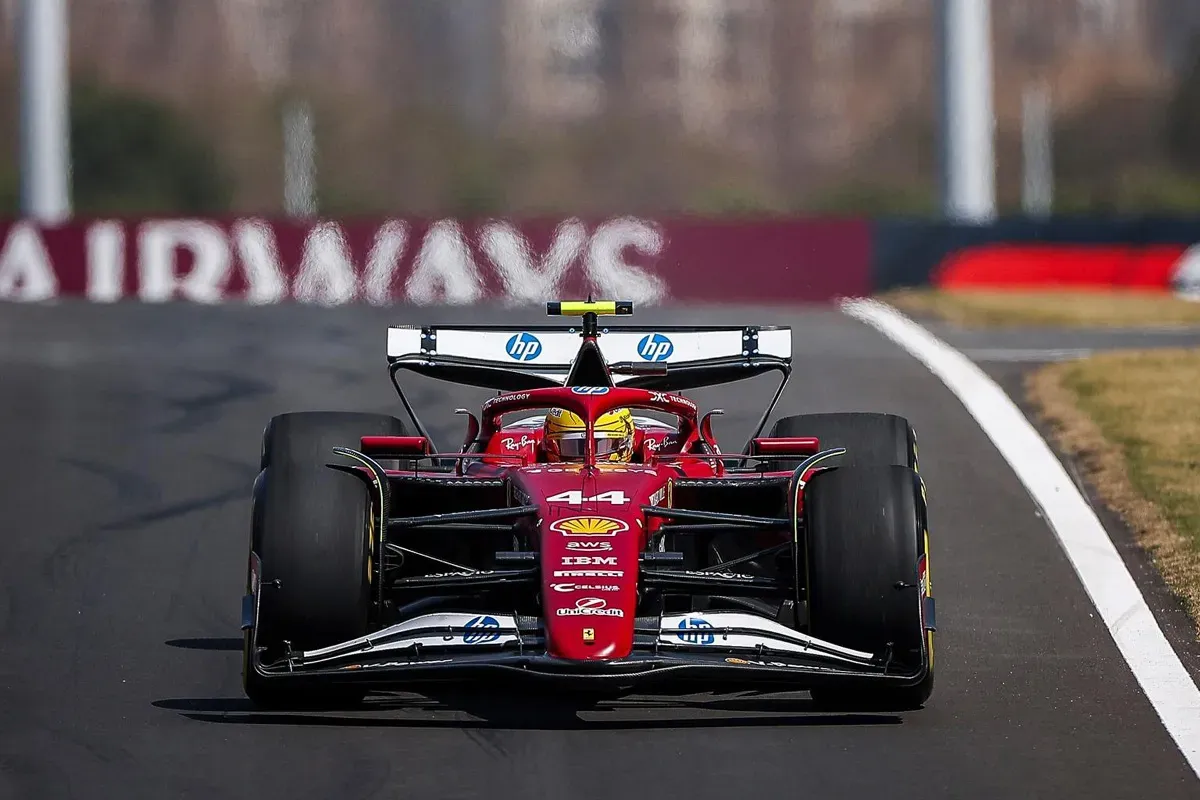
(591,539)
(589,585)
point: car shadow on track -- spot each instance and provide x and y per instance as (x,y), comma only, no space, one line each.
(222,644)
(446,710)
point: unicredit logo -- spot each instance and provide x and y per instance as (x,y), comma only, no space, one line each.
(590,607)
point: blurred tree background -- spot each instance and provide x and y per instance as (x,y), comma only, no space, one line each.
(598,107)
(134,155)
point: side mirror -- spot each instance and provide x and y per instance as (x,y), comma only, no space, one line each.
(786,446)
(395,446)
(706,432)
(472,429)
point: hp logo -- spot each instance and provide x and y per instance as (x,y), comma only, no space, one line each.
(482,630)
(655,347)
(694,623)
(523,347)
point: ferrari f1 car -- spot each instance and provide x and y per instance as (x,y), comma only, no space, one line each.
(589,533)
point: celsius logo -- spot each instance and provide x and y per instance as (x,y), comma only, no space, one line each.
(524,347)
(655,347)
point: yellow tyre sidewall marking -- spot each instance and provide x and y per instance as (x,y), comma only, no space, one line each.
(928,588)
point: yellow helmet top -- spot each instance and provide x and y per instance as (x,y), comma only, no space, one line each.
(565,432)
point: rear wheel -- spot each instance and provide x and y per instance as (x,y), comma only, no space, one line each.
(312,533)
(869,438)
(867,575)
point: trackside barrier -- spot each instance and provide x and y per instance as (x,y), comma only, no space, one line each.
(391,261)
(1144,254)
(527,262)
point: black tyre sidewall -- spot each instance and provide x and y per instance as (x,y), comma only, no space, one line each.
(864,534)
(312,537)
(310,528)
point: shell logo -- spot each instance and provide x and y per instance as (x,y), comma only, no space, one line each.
(589,526)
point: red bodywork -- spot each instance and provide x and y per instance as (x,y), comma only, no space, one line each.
(591,528)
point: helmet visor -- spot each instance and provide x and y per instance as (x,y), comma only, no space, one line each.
(607,446)
(572,445)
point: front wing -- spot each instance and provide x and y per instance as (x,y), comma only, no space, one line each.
(726,648)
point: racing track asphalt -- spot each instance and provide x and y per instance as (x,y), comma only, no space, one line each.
(130,438)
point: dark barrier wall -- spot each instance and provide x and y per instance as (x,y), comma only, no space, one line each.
(1123,252)
(439,261)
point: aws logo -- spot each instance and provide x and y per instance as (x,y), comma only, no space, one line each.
(589,526)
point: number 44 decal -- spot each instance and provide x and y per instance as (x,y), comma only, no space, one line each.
(576,498)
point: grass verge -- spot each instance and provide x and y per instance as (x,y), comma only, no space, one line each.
(1132,421)
(1075,309)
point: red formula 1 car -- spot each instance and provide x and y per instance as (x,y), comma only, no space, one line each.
(589,533)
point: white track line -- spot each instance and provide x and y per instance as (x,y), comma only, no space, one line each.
(1104,576)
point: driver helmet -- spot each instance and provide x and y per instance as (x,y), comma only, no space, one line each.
(565,432)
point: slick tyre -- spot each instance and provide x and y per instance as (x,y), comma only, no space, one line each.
(866,542)
(883,439)
(312,534)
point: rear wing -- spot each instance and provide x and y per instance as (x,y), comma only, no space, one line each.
(512,358)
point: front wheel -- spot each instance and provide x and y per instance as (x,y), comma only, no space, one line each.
(312,533)
(867,562)
(311,538)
